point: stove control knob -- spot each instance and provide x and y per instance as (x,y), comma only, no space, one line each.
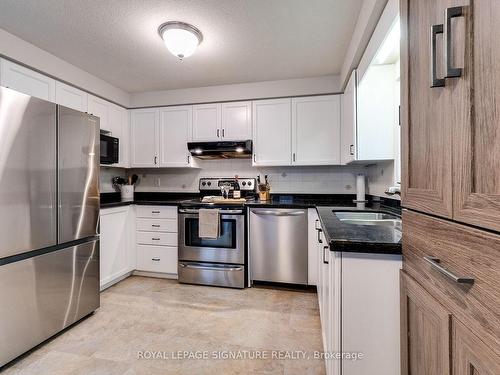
(243,183)
(203,183)
(249,183)
(209,183)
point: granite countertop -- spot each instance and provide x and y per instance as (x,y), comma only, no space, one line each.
(377,239)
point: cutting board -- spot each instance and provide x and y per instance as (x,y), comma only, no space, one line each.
(223,200)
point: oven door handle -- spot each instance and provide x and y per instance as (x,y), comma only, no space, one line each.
(211,268)
(222,212)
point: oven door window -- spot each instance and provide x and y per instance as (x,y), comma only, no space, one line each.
(227,239)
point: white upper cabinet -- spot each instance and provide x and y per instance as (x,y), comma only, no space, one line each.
(207,122)
(272,132)
(71,97)
(144,150)
(348,122)
(175,129)
(236,121)
(99,108)
(118,125)
(316,130)
(27,81)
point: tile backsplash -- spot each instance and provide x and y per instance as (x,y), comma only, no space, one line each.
(323,180)
(287,179)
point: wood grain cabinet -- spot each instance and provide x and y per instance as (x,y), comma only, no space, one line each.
(450,75)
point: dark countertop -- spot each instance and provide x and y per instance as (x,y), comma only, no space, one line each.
(373,239)
(109,200)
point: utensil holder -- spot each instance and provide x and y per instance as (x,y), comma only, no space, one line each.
(127,192)
(265,195)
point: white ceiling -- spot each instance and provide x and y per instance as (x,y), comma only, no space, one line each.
(244,40)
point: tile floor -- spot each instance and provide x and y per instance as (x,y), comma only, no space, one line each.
(139,316)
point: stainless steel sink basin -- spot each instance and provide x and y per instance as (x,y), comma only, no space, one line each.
(370,218)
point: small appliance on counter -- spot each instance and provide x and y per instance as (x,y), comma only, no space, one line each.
(220,261)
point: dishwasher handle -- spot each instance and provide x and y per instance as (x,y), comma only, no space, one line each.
(278,213)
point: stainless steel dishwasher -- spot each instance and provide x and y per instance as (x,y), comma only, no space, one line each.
(278,245)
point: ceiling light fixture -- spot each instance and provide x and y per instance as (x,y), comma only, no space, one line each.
(180,38)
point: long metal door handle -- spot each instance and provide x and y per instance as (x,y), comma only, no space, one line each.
(450,13)
(324,248)
(435,82)
(273,213)
(434,262)
(196,267)
(222,212)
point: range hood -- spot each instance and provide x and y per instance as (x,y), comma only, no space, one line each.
(221,150)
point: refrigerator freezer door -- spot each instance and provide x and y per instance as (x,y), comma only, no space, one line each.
(27,173)
(44,294)
(79,144)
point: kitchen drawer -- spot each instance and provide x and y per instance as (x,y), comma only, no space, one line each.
(157,212)
(157,238)
(161,259)
(464,251)
(157,225)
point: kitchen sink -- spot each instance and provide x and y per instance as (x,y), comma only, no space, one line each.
(370,218)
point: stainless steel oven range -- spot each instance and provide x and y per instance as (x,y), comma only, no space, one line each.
(220,261)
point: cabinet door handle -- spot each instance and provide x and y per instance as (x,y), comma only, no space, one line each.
(324,248)
(189,158)
(450,13)
(155,239)
(156,159)
(254,158)
(435,82)
(155,259)
(155,212)
(155,225)
(351,150)
(293,156)
(319,237)
(434,262)
(218,132)
(223,133)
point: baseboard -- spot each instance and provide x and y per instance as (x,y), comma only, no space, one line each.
(115,280)
(156,274)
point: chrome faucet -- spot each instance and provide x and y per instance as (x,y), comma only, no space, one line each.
(393,190)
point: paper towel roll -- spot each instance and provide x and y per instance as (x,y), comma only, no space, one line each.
(360,187)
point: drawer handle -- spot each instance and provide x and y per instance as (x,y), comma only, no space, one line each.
(325,248)
(155,212)
(434,262)
(155,259)
(155,239)
(155,225)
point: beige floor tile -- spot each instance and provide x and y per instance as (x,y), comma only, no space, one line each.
(142,314)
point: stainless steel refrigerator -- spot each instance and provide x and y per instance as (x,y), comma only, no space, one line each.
(49,210)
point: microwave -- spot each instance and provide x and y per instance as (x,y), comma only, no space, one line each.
(110,150)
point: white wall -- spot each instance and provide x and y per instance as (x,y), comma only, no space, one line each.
(243,91)
(26,53)
(379,177)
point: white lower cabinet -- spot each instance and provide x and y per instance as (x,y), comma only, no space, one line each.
(157,240)
(117,250)
(358,295)
(159,259)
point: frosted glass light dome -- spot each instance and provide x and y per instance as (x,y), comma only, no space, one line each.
(180,38)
